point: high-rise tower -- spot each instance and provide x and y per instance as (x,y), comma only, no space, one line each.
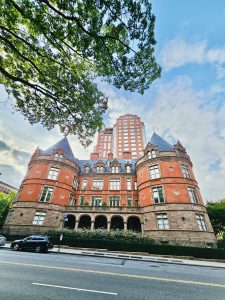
(125,140)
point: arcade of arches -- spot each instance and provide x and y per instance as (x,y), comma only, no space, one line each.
(100,221)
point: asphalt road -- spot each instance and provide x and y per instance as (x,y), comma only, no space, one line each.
(27,275)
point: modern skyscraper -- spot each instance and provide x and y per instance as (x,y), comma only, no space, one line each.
(125,140)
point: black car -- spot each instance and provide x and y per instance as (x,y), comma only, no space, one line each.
(37,243)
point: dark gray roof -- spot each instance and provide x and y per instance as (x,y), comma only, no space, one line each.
(160,143)
(123,162)
(64,144)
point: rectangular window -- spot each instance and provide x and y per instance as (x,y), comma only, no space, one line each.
(38,218)
(137,204)
(157,195)
(201,222)
(115,169)
(162,221)
(82,200)
(154,172)
(192,194)
(53,173)
(135,185)
(98,184)
(96,200)
(128,169)
(84,184)
(128,184)
(71,201)
(75,182)
(114,200)
(46,194)
(151,154)
(114,184)
(185,171)
(129,201)
(58,156)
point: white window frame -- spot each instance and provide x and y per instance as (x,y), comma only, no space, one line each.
(72,200)
(39,218)
(53,173)
(154,172)
(185,171)
(129,201)
(58,156)
(114,184)
(114,200)
(162,221)
(151,154)
(98,184)
(128,169)
(96,200)
(129,184)
(201,222)
(48,190)
(192,193)
(158,195)
(84,184)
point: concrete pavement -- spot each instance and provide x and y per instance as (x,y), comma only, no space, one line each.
(136,256)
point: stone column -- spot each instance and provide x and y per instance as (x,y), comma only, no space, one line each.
(92,225)
(108,225)
(125,226)
(142,228)
(76,224)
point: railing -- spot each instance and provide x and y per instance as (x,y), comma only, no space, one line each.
(102,208)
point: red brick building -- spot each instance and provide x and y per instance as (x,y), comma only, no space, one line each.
(156,194)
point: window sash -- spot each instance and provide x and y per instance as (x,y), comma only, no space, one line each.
(201,223)
(192,194)
(84,184)
(82,200)
(129,186)
(38,218)
(154,172)
(53,173)
(46,194)
(114,200)
(96,201)
(185,171)
(114,184)
(157,194)
(162,221)
(98,183)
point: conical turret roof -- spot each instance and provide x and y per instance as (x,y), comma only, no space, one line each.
(64,144)
(159,142)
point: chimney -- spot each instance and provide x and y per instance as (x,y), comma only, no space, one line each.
(94,156)
(127,155)
(110,156)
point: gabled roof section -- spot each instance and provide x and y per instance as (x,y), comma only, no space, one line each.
(159,142)
(62,144)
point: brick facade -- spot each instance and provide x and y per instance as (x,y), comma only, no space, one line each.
(156,194)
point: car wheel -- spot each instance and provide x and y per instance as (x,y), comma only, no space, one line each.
(16,247)
(38,249)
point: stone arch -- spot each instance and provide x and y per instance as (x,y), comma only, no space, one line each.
(117,223)
(101,222)
(85,221)
(70,221)
(134,224)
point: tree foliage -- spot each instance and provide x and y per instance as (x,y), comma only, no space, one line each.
(52,51)
(216,212)
(6,201)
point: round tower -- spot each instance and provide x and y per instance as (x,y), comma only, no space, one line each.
(50,184)
(173,207)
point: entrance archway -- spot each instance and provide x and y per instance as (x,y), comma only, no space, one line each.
(100,222)
(70,222)
(134,224)
(117,223)
(85,222)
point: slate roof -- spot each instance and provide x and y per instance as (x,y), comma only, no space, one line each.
(123,162)
(160,143)
(64,144)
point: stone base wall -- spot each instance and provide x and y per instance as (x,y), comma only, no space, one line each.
(183,227)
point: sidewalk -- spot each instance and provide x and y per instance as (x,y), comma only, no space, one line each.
(138,257)
(135,256)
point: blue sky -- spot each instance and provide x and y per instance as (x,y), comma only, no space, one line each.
(187,103)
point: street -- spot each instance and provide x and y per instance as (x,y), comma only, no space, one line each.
(27,275)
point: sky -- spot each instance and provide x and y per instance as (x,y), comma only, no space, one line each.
(187,103)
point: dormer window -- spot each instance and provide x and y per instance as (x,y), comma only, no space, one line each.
(115,169)
(87,169)
(58,156)
(151,154)
(100,169)
(128,169)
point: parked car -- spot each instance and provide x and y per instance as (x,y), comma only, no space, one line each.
(37,243)
(2,240)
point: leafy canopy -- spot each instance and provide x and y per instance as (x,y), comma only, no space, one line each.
(51,52)
(6,201)
(216,212)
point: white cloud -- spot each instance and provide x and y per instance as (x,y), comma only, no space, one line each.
(180,112)
(179,52)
